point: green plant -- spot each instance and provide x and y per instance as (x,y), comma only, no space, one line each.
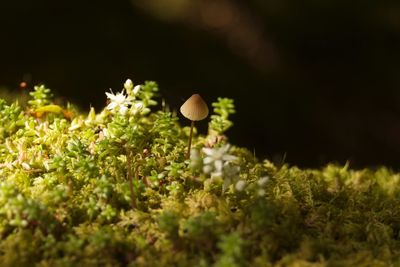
(220,122)
(114,188)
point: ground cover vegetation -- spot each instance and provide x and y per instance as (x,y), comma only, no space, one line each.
(116,188)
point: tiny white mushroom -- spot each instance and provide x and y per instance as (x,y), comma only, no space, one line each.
(194,109)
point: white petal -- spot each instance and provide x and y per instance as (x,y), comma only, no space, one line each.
(225,148)
(110,96)
(123,110)
(111,106)
(228,158)
(208,160)
(208,151)
(207,169)
(120,98)
(218,165)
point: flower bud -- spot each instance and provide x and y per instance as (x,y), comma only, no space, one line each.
(128,85)
(136,89)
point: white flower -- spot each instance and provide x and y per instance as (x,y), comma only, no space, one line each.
(230,169)
(217,157)
(119,102)
(219,164)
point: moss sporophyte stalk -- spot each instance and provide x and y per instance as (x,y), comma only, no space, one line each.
(116,188)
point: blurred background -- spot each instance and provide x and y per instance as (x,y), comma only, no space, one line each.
(313,81)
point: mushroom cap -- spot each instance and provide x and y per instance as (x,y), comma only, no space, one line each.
(195,109)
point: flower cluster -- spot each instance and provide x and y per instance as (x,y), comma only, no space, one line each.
(123,102)
(217,163)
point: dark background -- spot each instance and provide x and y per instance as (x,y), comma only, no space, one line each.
(316,81)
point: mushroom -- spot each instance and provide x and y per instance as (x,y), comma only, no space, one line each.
(194,109)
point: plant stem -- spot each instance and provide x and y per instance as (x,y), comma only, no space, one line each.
(130,177)
(190,140)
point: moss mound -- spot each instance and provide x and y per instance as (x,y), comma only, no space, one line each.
(114,188)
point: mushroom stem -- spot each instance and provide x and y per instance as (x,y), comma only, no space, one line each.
(190,140)
(194,109)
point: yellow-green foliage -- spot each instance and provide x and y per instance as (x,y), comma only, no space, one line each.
(114,189)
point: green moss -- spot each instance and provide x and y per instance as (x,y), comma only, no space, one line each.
(114,189)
